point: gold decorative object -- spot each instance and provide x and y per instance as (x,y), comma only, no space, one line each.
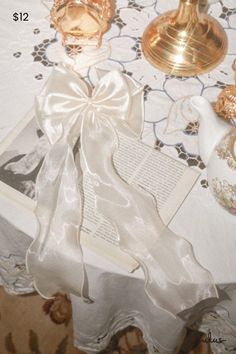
(225,106)
(184,42)
(81,20)
(217,148)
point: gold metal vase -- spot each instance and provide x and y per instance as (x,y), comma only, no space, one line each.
(184,42)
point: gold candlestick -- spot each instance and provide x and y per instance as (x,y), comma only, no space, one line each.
(184,42)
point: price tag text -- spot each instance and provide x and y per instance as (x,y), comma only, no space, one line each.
(20,16)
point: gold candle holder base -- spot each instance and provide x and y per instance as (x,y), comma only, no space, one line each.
(184,42)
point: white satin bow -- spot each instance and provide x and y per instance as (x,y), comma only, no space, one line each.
(67,110)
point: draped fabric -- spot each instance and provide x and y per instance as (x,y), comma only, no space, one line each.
(67,110)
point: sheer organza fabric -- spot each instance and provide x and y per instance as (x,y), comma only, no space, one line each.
(67,110)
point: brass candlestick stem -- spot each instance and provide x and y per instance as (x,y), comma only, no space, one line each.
(184,42)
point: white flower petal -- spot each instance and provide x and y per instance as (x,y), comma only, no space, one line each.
(231,33)
(211,93)
(122,49)
(146,74)
(147,2)
(147,135)
(222,73)
(232,21)
(136,20)
(121,3)
(229,3)
(109,65)
(114,31)
(157,106)
(178,88)
(163,5)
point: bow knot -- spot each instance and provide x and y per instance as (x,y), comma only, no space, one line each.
(89,101)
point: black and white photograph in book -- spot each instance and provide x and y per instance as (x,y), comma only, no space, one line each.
(22,159)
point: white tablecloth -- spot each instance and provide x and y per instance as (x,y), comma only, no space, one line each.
(28,52)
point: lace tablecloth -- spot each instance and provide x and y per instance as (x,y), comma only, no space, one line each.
(29,50)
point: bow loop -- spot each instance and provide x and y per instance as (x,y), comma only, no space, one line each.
(63,97)
(66,97)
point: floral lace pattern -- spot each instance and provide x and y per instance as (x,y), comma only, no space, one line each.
(225,193)
(225,150)
(124,40)
(14,277)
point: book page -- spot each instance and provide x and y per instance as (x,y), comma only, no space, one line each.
(168,180)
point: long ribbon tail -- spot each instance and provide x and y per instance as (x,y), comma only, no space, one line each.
(55,257)
(174,279)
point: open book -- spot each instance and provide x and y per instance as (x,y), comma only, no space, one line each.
(169,181)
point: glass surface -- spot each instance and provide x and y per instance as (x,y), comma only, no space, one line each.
(83,20)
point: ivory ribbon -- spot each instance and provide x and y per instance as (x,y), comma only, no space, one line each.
(66,110)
